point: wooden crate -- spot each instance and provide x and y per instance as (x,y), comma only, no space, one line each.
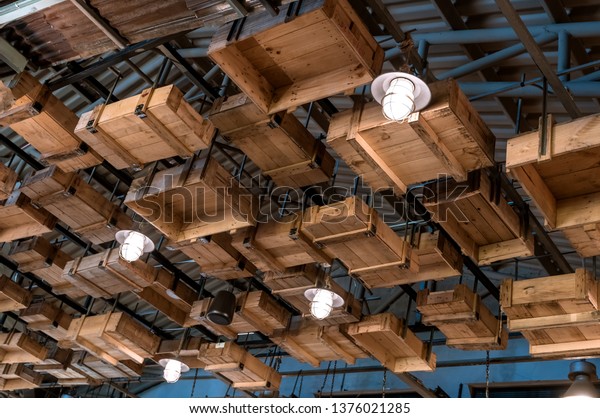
(461,316)
(216,256)
(98,370)
(20,219)
(478,217)
(48,318)
(447,137)
(239,367)
(154,125)
(396,347)
(561,179)
(187,352)
(36,255)
(282,62)
(8,180)
(311,343)
(291,285)
(76,203)
(279,144)
(432,257)
(255,311)
(276,245)
(353,232)
(17,347)
(57,365)
(565,341)
(193,200)
(170,295)
(47,124)
(106,274)
(112,337)
(12,295)
(554,301)
(18,377)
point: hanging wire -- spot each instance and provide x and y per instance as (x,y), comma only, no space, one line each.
(487,374)
(296,383)
(332,379)
(384,383)
(324,380)
(194,384)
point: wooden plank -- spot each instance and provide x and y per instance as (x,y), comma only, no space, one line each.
(12,295)
(20,219)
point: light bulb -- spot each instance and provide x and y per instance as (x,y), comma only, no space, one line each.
(172,370)
(399,100)
(322,304)
(133,247)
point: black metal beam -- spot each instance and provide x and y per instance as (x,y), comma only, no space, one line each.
(24,155)
(188,70)
(109,61)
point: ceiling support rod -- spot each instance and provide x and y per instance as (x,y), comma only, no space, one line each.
(538,57)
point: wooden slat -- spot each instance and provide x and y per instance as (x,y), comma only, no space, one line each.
(20,219)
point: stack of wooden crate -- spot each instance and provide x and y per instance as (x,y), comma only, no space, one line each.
(558,169)
(216,256)
(238,367)
(558,314)
(355,234)
(47,124)
(76,203)
(48,318)
(197,199)
(446,138)
(318,49)
(277,244)
(278,144)
(255,311)
(38,256)
(461,316)
(154,125)
(12,295)
(387,339)
(479,218)
(112,337)
(311,343)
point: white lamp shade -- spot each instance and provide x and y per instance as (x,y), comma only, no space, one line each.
(322,302)
(400,94)
(173,369)
(133,245)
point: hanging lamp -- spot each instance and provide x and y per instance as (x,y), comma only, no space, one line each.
(400,94)
(322,299)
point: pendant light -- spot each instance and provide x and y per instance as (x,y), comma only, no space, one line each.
(173,369)
(222,308)
(322,298)
(133,244)
(400,94)
(582,373)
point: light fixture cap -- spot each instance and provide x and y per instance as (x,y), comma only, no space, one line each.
(164,361)
(122,235)
(312,292)
(381,84)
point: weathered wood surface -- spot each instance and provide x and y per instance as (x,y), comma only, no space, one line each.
(48,318)
(76,203)
(447,137)
(281,63)
(278,144)
(19,218)
(355,234)
(479,218)
(395,346)
(38,256)
(18,347)
(239,367)
(311,343)
(18,377)
(12,295)
(112,337)
(151,126)
(461,316)
(197,199)
(47,124)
